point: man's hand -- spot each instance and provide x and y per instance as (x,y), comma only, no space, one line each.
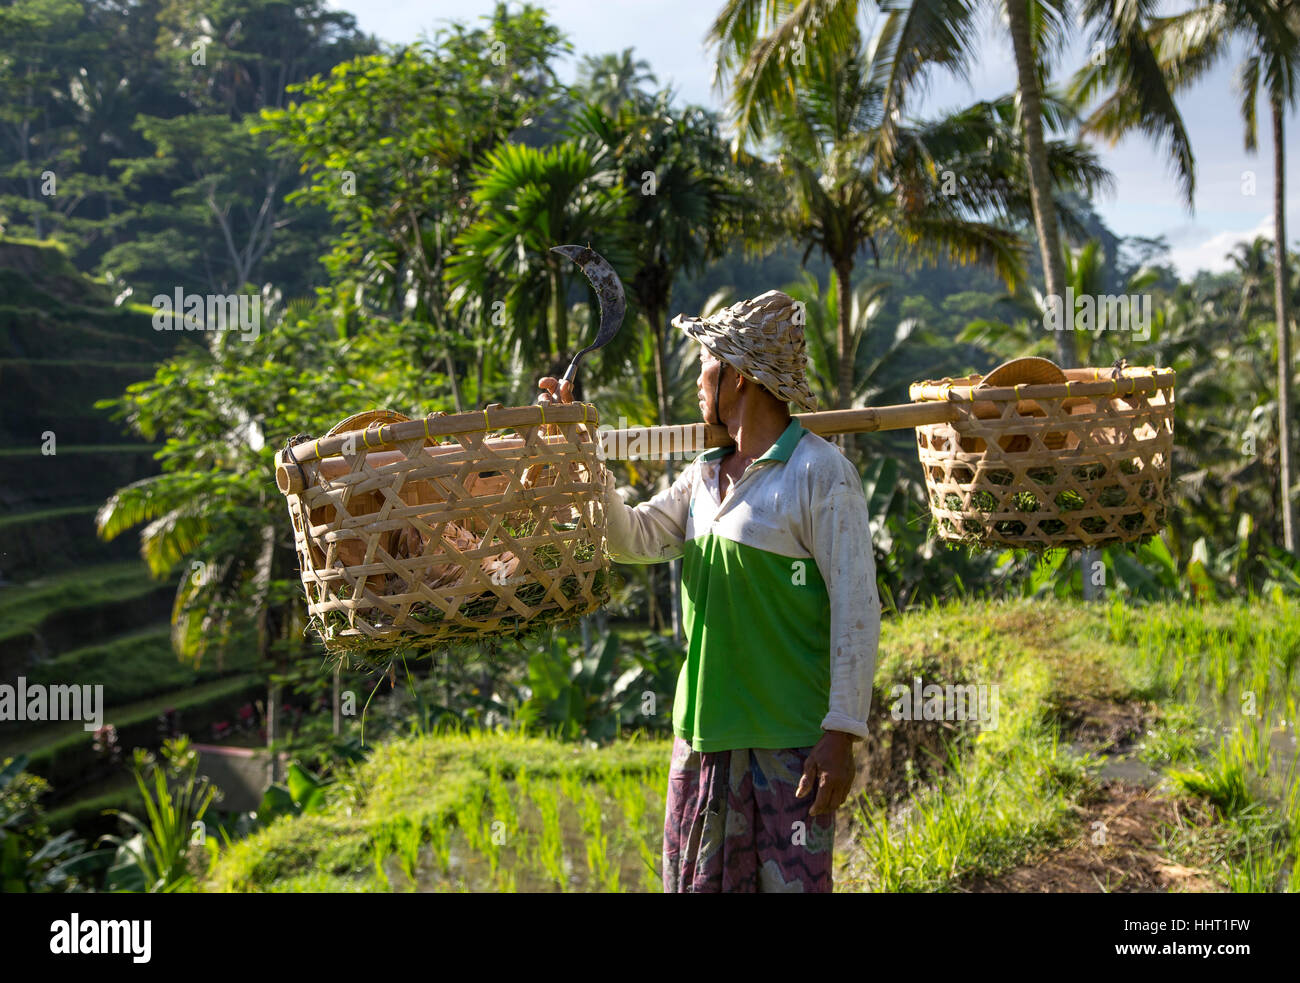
(548,385)
(829,770)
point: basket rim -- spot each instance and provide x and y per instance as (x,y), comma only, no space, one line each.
(1080,382)
(441,424)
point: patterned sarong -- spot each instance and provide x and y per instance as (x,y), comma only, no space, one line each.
(732,823)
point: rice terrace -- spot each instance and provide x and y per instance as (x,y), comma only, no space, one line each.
(465,463)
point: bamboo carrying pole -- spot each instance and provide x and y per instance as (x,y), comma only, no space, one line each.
(634,442)
(941,406)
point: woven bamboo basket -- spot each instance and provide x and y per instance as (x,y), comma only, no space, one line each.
(434,531)
(1036,464)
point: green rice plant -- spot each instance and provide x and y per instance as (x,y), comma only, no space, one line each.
(1223,780)
(550,840)
(469,818)
(1259,872)
(991,810)
(439,844)
(604,873)
(570,786)
(1176,737)
(382,844)
(408,832)
(503,807)
(1291,799)
(503,813)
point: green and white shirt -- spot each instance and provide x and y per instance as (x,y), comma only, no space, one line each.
(779,598)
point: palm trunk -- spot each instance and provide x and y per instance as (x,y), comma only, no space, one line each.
(338,706)
(844,341)
(273,727)
(1045,222)
(843,275)
(1040,182)
(1283,328)
(455,382)
(658,329)
(559,312)
(661,375)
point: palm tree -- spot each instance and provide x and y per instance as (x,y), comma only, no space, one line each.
(685,200)
(929,196)
(769,46)
(874,364)
(528,201)
(1183,47)
(1085,276)
(610,80)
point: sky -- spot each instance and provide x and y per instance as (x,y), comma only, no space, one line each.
(669,34)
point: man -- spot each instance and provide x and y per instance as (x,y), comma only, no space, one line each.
(781,614)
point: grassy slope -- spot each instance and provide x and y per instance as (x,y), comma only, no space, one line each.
(1010,797)
(24,607)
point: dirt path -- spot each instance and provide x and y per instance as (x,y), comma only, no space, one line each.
(1118,852)
(1119,847)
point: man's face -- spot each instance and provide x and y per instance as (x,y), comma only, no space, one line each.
(707,384)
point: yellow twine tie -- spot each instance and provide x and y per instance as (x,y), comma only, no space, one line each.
(317,445)
(486,425)
(365,438)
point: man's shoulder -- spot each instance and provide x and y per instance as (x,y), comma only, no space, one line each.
(828,469)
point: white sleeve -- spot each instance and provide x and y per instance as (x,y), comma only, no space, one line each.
(841,541)
(653,531)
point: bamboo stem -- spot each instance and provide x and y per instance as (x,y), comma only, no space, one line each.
(635,442)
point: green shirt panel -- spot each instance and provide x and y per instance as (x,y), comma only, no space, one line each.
(757,669)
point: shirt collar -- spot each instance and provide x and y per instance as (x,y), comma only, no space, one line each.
(779,451)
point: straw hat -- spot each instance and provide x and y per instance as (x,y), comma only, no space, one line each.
(763,340)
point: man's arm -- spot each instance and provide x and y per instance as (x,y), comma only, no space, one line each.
(841,545)
(653,531)
(840,534)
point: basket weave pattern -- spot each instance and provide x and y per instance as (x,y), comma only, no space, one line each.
(1084,463)
(451,541)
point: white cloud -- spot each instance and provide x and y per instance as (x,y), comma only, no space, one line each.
(1211,252)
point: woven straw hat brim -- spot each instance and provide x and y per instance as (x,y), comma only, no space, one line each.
(1027,371)
(758,339)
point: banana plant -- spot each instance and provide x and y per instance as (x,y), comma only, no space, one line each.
(586,696)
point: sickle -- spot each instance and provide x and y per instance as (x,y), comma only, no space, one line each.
(609,291)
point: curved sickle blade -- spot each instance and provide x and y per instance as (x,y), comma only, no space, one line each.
(609,291)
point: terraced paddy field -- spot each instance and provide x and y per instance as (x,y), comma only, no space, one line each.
(1110,766)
